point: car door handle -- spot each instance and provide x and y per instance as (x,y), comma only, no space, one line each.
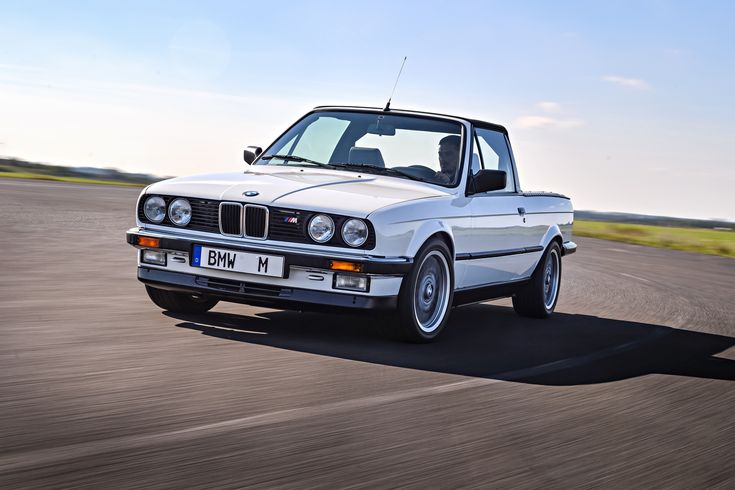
(522,211)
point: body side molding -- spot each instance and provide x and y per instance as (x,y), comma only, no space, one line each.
(498,253)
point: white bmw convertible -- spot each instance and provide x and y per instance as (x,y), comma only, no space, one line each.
(359,208)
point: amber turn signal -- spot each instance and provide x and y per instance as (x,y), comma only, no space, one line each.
(146,241)
(345,266)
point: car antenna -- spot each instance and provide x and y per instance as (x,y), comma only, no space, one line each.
(387,106)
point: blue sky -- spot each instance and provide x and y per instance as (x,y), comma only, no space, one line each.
(625,106)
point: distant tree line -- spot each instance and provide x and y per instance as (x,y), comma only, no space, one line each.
(643,219)
(110,174)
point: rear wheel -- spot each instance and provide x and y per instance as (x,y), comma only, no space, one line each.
(180,302)
(426,294)
(538,298)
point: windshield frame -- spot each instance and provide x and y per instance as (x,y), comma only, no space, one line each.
(462,149)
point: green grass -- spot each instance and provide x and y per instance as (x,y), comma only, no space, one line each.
(61,178)
(701,240)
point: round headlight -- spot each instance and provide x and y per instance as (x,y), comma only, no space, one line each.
(354,232)
(321,228)
(155,209)
(179,212)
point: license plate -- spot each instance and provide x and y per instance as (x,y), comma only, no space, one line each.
(236,261)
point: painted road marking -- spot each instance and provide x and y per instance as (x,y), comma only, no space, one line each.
(634,277)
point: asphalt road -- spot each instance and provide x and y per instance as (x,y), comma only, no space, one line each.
(630,384)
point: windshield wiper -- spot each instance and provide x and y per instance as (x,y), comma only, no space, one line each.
(296,158)
(366,167)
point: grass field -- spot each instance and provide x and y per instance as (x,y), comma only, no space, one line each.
(701,240)
(63,178)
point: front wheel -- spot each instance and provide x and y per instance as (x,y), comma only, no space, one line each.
(180,302)
(538,298)
(426,294)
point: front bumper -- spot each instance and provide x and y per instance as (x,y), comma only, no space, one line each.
(259,294)
(293,257)
(307,281)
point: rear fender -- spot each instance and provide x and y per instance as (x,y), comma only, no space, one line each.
(554,232)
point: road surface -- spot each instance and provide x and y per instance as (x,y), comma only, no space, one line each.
(630,384)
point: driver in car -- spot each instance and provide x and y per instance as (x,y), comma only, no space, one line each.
(448,158)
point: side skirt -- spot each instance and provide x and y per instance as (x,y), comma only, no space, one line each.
(476,294)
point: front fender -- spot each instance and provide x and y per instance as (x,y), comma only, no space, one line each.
(404,239)
(402,230)
(427,229)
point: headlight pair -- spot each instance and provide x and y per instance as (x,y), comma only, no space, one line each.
(321,227)
(179,211)
(354,231)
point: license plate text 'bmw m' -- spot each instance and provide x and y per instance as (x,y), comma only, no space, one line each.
(236,261)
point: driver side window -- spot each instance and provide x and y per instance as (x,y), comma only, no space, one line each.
(492,149)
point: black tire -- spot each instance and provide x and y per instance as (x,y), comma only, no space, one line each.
(538,298)
(432,274)
(180,302)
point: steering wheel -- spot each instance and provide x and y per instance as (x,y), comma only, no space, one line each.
(420,171)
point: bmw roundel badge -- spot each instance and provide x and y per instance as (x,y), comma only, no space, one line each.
(250,193)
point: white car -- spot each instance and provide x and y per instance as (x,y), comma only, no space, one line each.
(359,208)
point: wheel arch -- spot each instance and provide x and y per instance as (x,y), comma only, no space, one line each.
(553,234)
(446,238)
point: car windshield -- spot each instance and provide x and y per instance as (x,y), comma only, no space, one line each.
(411,147)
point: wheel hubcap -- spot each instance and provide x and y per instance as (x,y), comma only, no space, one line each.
(432,292)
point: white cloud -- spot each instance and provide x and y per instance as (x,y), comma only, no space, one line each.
(676,52)
(532,122)
(549,107)
(551,119)
(634,83)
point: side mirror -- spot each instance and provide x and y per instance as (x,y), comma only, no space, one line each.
(251,153)
(489,180)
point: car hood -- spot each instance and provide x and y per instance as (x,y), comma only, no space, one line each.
(341,192)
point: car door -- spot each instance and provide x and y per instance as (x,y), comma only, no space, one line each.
(500,242)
